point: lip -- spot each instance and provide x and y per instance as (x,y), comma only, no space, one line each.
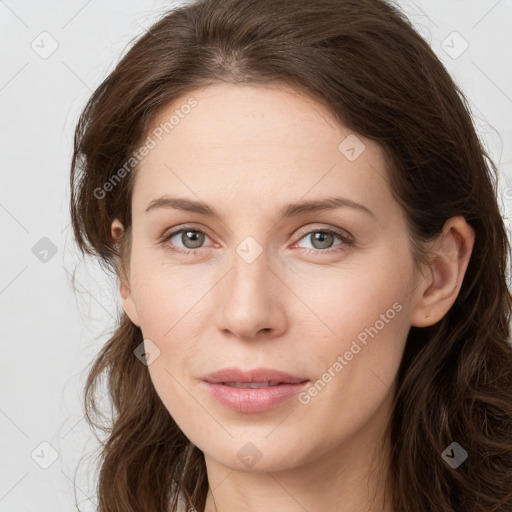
(253,375)
(253,400)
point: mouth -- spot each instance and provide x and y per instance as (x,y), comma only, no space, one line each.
(253,391)
(257,376)
(252,385)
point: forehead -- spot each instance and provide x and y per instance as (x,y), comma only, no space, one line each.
(254,144)
(228,116)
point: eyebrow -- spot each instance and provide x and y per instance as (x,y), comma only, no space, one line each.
(290,210)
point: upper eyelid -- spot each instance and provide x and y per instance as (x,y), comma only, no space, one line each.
(338,231)
(174,231)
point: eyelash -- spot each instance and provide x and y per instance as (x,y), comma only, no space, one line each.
(346,241)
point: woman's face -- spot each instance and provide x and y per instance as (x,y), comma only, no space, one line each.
(325,295)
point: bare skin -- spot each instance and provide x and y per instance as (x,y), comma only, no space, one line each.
(247,151)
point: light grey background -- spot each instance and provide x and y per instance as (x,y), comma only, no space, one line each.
(49,334)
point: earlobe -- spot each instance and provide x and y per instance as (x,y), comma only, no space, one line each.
(127,301)
(448,264)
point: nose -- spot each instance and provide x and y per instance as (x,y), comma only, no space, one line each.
(250,301)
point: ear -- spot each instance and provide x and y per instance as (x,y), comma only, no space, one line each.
(117,231)
(451,253)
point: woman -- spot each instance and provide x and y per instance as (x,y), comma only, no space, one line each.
(312,267)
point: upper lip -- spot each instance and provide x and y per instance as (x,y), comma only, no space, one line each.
(253,375)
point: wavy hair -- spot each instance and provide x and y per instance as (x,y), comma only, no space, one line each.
(363,60)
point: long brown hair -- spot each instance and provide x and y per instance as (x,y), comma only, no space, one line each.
(363,60)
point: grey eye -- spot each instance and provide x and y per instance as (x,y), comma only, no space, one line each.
(191,239)
(320,239)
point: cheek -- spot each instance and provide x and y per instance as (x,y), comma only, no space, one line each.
(183,403)
(167,297)
(341,303)
(366,320)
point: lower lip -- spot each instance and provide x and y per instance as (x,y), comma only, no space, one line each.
(253,399)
